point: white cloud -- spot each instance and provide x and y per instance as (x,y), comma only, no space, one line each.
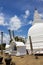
(6,38)
(22,36)
(41,15)
(27,23)
(27,13)
(30,22)
(19,31)
(2,20)
(5,24)
(15,23)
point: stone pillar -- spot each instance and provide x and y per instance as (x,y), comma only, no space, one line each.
(31,45)
(10,34)
(1,42)
(13,33)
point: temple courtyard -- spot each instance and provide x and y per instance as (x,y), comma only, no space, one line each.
(24,60)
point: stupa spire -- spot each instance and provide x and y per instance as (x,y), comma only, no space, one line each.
(36,15)
(37,18)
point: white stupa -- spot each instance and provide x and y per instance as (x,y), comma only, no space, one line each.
(36,33)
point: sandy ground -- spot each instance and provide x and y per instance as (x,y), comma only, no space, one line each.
(25,60)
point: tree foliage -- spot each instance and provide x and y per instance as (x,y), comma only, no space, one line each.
(3,46)
(19,39)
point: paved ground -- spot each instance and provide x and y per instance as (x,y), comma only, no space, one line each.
(26,60)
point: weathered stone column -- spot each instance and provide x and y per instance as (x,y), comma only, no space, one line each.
(1,42)
(10,34)
(31,45)
(13,33)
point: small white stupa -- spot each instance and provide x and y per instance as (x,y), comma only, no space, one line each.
(36,33)
(16,47)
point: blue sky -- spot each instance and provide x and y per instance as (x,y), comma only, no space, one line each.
(18,15)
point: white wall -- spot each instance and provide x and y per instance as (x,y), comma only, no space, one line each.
(21,50)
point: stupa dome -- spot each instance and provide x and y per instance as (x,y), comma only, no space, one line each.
(36,31)
(37,27)
(36,34)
